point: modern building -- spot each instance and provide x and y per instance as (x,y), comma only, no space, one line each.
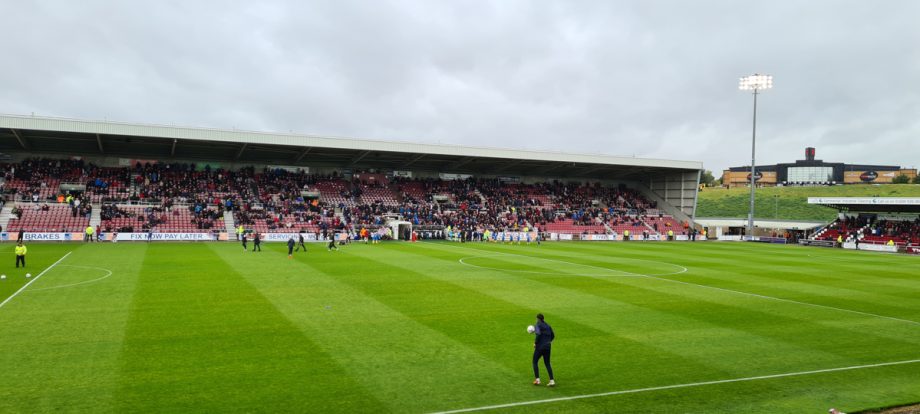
(814,172)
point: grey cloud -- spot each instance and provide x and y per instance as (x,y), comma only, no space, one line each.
(651,78)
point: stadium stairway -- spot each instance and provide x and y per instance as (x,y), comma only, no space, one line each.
(6,213)
(95,218)
(608,229)
(675,212)
(228,222)
(651,230)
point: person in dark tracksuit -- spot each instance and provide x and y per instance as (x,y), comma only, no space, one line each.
(300,243)
(244,241)
(257,242)
(291,247)
(541,348)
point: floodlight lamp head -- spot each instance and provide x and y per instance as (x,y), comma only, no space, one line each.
(756,82)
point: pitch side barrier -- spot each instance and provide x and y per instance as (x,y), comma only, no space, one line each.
(284,237)
(144,237)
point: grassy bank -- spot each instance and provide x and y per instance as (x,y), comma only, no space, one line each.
(790,203)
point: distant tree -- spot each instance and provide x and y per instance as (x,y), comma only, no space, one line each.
(707,178)
(916,179)
(901,179)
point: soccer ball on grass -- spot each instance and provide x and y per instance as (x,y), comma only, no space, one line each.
(531,329)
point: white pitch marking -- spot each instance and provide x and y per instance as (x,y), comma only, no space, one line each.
(627,274)
(788,300)
(745,293)
(78,283)
(668,387)
(33,280)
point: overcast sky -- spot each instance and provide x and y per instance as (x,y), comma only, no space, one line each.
(654,79)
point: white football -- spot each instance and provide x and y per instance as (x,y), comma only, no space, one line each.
(531,329)
(2,276)
(28,275)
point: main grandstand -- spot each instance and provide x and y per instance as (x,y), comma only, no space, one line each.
(63,175)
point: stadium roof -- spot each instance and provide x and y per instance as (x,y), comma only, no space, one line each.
(37,135)
(870,204)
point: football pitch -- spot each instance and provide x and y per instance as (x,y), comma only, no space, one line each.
(434,327)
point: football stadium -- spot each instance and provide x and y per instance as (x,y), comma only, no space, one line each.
(172,269)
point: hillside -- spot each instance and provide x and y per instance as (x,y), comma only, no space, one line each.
(790,203)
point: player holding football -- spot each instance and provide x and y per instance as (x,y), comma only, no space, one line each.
(541,348)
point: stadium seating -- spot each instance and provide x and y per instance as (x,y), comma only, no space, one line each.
(56,218)
(277,200)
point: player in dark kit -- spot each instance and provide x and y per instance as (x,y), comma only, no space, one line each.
(257,242)
(332,244)
(244,241)
(300,243)
(541,348)
(290,244)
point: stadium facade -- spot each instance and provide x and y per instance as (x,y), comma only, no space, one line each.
(672,184)
(811,171)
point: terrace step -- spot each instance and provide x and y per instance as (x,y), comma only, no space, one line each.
(229,226)
(6,213)
(95,217)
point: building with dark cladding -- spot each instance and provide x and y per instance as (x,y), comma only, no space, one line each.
(811,171)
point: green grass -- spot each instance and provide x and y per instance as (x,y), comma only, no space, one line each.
(427,327)
(790,203)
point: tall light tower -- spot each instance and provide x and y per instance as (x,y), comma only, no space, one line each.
(754,83)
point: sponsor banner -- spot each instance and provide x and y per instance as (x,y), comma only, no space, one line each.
(682,237)
(288,168)
(406,174)
(872,247)
(283,237)
(757,176)
(46,236)
(166,237)
(447,176)
(882,201)
(41,236)
(599,237)
(730,238)
(565,237)
(868,176)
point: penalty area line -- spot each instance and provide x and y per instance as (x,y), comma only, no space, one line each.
(668,387)
(33,280)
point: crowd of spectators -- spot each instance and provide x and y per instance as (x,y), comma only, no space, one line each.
(288,199)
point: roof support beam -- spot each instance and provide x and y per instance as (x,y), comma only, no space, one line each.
(99,144)
(302,154)
(22,141)
(459,163)
(240,152)
(508,165)
(413,160)
(591,169)
(172,151)
(359,157)
(555,167)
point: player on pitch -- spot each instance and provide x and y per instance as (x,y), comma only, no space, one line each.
(542,346)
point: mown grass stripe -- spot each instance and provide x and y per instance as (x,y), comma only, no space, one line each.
(202,339)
